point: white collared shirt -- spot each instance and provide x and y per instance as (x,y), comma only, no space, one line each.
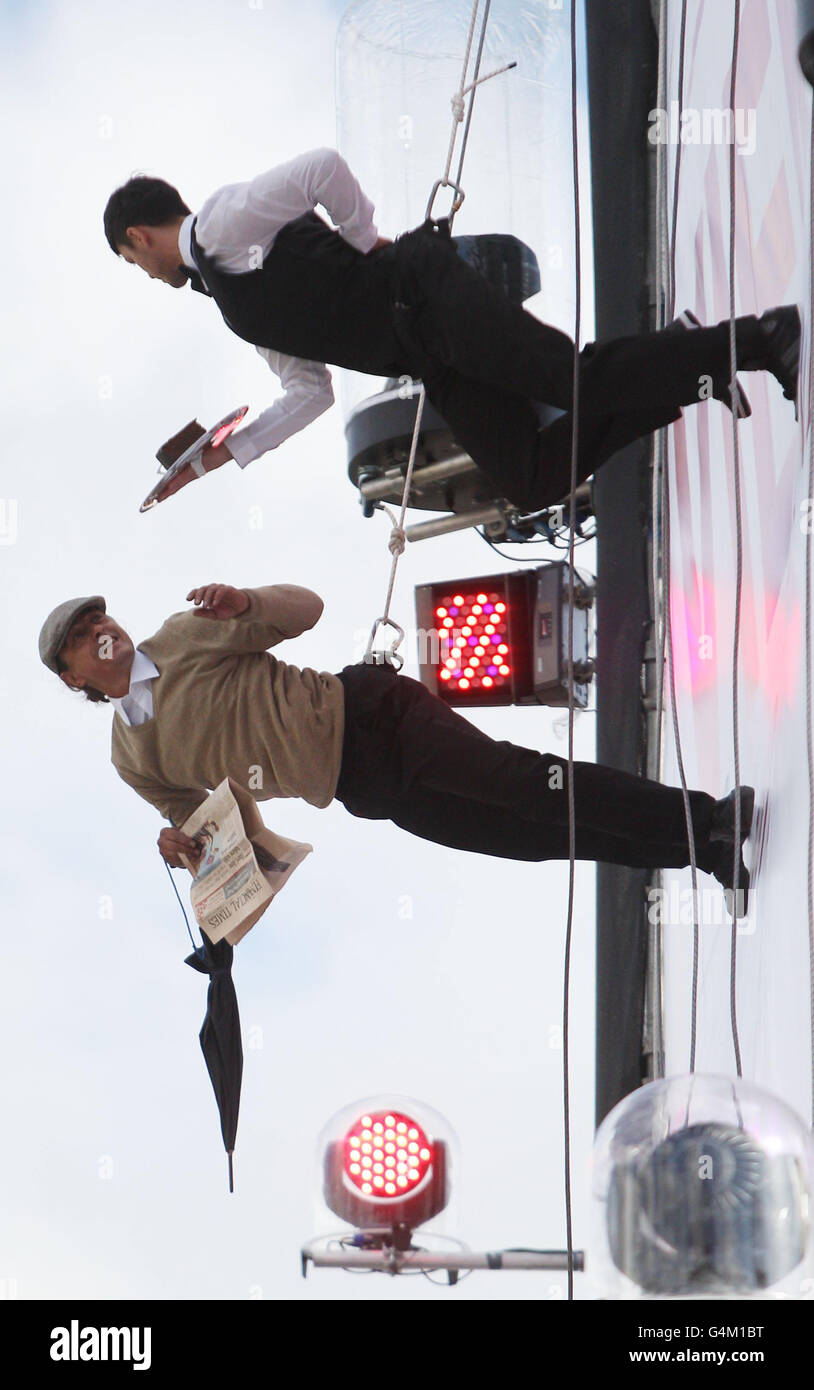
(241,219)
(136,707)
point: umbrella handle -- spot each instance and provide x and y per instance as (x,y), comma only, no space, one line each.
(231,1172)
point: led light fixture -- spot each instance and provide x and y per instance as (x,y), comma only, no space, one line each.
(386,1170)
(501,639)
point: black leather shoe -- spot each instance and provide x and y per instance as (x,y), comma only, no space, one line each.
(780,330)
(720,390)
(742,901)
(724,872)
(722,825)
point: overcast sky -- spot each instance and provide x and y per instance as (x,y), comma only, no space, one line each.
(388,964)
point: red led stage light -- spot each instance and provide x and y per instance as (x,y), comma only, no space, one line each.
(499,639)
(386,1171)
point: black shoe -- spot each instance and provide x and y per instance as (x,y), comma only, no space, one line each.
(724,872)
(722,841)
(722,825)
(722,392)
(780,329)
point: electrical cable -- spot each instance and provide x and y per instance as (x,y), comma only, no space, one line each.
(541,540)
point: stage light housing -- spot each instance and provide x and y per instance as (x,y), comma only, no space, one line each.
(502,639)
(386,1166)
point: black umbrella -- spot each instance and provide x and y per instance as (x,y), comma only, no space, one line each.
(220,1036)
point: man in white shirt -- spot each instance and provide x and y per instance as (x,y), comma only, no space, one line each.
(305,294)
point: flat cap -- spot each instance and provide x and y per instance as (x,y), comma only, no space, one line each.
(57,625)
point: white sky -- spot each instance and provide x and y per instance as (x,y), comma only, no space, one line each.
(388,964)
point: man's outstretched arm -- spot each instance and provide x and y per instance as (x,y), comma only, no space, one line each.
(261,618)
(288,608)
(307,394)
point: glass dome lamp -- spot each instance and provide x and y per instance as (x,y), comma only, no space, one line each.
(702,1189)
(398,66)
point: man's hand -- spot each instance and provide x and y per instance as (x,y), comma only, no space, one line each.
(210,460)
(218,601)
(173,843)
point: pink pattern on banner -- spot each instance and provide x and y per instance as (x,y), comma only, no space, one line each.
(772,267)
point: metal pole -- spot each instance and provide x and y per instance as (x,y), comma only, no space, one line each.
(377,488)
(442,525)
(424,1259)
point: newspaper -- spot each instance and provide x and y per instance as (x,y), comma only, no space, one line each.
(242,865)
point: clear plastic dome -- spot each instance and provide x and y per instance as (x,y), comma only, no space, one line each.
(701,1189)
(385,1169)
(398,65)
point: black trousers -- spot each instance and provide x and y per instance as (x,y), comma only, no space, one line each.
(409,758)
(458,334)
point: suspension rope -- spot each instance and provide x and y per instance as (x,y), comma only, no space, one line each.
(566,1095)
(465,138)
(666,643)
(458,98)
(681,49)
(809,653)
(733,1009)
(398,538)
(655,934)
(459,106)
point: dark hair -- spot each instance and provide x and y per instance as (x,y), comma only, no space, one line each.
(141,202)
(90,693)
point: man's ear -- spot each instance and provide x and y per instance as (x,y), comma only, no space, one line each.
(72,682)
(138,237)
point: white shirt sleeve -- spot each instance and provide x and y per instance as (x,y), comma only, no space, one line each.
(241,218)
(307,393)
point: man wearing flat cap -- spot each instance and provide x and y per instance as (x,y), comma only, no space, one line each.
(203,699)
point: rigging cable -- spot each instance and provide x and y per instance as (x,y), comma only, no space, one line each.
(465,90)
(667,627)
(808,651)
(398,539)
(654,757)
(571,583)
(733,1007)
(457,115)
(809,731)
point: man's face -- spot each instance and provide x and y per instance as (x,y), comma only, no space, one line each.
(155,251)
(97,652)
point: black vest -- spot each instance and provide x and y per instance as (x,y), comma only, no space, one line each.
(315,296)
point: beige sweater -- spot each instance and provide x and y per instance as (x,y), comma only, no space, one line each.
(222,706)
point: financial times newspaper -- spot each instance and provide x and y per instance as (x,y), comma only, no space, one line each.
(242,865)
